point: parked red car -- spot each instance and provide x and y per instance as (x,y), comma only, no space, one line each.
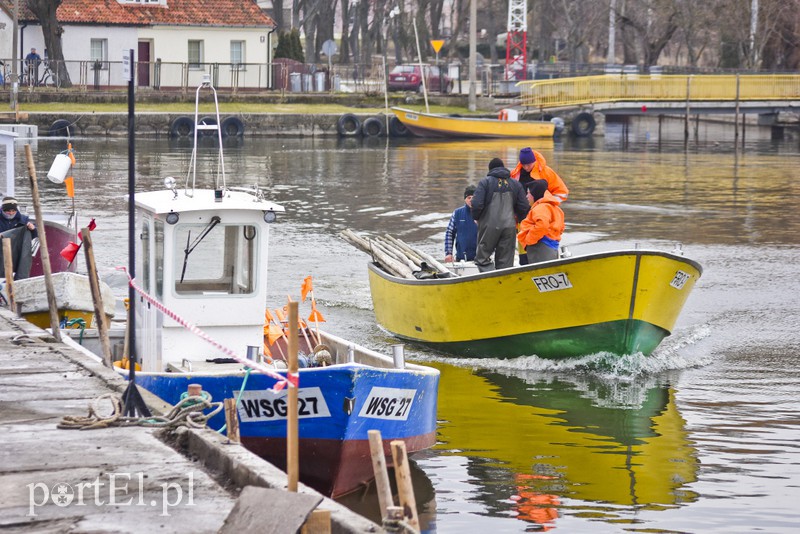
(408,78)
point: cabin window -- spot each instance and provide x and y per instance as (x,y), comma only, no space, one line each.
(237,55)
(215,259)
(145,265)
(159,251)
(196,55)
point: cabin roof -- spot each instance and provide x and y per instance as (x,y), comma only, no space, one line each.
(166,201)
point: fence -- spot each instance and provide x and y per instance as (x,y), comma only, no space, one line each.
(615,88)
(282,75)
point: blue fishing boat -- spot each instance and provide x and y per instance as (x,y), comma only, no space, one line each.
(201,286)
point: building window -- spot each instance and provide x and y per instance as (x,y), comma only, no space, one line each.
(98,53)
(237,55)
(196,55)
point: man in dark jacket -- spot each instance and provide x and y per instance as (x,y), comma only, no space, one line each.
(499,202)
(19,228)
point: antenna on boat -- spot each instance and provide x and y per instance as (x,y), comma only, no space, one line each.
(220,175)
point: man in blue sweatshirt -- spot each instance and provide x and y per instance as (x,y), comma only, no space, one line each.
(462,231)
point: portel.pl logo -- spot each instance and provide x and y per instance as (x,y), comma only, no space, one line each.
(112,489)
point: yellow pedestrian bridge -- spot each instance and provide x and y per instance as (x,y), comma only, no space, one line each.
(694,94)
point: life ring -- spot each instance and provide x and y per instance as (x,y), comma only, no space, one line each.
(583,124)
(61,128)
(209,121)
(373,127)
(397,128)
(181,127)
(232,127)
(348,125)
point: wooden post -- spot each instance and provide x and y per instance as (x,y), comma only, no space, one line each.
(231,421)
(8,264)
(292,453)
(43,254)
(402,475)
(381,474)
(686,117)
(97,297)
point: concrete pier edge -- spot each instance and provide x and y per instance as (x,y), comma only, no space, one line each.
(230,464)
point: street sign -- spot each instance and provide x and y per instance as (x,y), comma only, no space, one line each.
(329,48)
(437,44)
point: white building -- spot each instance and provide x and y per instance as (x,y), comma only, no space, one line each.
(174,41)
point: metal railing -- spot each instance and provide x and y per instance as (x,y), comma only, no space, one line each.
(586,90)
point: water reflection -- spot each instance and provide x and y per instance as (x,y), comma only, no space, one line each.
(535,441)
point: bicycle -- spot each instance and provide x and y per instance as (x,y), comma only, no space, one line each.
(48,78)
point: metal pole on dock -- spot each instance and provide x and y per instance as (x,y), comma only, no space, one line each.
(736,118)
(43,253)
(131,398)
(292,454)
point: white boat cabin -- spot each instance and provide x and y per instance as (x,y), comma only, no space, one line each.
(203,253)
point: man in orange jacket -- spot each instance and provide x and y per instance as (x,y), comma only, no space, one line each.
(540,232)
(532,166)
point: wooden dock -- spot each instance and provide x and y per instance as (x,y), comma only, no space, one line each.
(118,479)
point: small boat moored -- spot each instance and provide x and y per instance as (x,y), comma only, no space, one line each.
(433,125)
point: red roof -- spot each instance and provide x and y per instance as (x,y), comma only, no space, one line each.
(223,13)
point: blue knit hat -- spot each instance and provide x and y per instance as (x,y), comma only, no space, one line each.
(526,156)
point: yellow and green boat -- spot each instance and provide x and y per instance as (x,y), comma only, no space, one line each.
(434,125)
(622,302)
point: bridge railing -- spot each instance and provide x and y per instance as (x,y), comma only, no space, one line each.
(585,90)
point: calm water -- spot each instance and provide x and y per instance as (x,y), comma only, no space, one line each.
(703,436)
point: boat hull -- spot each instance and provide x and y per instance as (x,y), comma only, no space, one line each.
(622,302)
(431,125)
(338,405)
(58,237)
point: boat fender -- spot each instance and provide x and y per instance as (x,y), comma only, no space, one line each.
(397,128)
(559,124)
(232,127)
(181,127)
(62,128)
(373,127)
(321,356)
(583,124)
(348,125)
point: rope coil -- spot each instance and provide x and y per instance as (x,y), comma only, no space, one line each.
(188,412)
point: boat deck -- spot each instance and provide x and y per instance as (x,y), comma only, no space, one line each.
(116,479)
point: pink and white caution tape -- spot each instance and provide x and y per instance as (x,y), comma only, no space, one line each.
(291,379)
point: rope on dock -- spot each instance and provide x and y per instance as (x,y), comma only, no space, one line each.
(189,412)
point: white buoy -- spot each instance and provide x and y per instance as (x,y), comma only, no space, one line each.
(59,169)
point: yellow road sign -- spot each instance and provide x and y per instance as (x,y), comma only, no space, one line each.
(437,44)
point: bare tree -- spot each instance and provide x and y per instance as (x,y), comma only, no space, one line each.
(653,23)
(45,11)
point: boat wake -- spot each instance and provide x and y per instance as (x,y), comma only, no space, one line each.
(675,353)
